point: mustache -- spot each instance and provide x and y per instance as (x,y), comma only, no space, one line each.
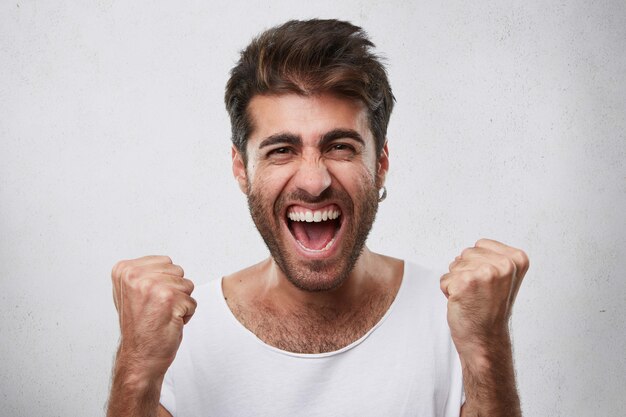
(304,197)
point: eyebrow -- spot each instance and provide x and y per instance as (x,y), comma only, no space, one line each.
(291,139)
(339,134)
(285,138)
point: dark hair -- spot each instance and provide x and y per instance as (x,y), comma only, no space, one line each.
(310,57)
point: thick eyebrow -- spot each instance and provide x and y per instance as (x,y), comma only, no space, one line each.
(339,134)
(285,138)
(291,139)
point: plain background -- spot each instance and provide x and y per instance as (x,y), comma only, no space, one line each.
(510,124)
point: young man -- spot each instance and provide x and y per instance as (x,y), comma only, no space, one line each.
(324,326)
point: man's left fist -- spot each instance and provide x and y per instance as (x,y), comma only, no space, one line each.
(481,288)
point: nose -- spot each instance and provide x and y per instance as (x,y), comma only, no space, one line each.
(312,176)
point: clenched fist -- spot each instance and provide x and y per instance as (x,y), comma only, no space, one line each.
(481,288)
(153,300)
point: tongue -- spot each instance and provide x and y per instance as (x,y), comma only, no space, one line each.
(314,235)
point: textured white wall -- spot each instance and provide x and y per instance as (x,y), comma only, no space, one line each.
(510,124)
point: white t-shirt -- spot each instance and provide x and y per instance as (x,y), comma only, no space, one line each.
(406,365)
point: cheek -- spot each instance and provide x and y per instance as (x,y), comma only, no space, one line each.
(352,176)
(270,182)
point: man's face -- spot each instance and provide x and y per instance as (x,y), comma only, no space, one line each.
(312,182)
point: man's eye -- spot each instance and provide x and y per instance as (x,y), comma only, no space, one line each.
(279,151)
(341,147)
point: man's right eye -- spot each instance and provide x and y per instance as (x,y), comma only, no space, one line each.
(279,151)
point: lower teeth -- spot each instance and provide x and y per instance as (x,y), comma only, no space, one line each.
(328,245)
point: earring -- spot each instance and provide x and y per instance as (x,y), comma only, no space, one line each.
(382,196)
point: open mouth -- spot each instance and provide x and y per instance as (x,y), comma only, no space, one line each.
(314,230)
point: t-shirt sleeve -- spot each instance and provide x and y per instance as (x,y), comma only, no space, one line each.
(168,400)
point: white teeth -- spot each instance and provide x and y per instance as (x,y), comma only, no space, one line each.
(313,216)
(325,248)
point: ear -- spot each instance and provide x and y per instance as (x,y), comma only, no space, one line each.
(239,170)
(382,166)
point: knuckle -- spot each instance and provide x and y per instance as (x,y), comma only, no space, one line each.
(522,258)
(468,281)
(507,265)
(466,252)
(489,273)
(119,265)
(481,242)
(165,295)
(144,286)
(130,272)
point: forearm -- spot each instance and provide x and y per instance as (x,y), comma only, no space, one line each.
(133,394)
(489,379)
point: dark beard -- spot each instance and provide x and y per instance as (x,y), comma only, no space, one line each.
(317,275)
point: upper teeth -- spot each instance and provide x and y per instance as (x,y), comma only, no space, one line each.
(313,216)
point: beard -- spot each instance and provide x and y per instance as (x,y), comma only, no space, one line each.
(316,275)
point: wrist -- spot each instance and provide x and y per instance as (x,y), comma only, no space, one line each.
(484,349)
(133,391)
(136,376)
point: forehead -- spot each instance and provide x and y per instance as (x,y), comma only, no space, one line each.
(309,117)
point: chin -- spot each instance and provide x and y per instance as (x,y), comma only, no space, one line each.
(316,276)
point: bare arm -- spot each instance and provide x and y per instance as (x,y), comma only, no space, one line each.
(133,394)
(153,300)
(490,384)
(481,288)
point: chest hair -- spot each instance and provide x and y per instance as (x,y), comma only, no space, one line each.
(312,329)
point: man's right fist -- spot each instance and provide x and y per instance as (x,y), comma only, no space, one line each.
(153,302)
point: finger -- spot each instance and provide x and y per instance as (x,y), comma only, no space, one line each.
(474,253)
(152,281)
(503,263)
(477,253)
(518,256)
(493,245)
(131,271)
(126,266)
(444,282)
(463,265)
(121,266)
(449,283)
(144,260)
(161,268)
(186,308)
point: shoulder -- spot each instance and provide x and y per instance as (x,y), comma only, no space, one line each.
(423,277)
(420,294)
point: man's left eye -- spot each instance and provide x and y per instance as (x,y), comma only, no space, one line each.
(341,147)
(279,151)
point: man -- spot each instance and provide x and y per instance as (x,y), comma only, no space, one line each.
(324,326)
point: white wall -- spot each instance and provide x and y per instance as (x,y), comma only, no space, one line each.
(510,124)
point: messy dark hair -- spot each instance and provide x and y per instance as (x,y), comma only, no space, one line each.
(310,57)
